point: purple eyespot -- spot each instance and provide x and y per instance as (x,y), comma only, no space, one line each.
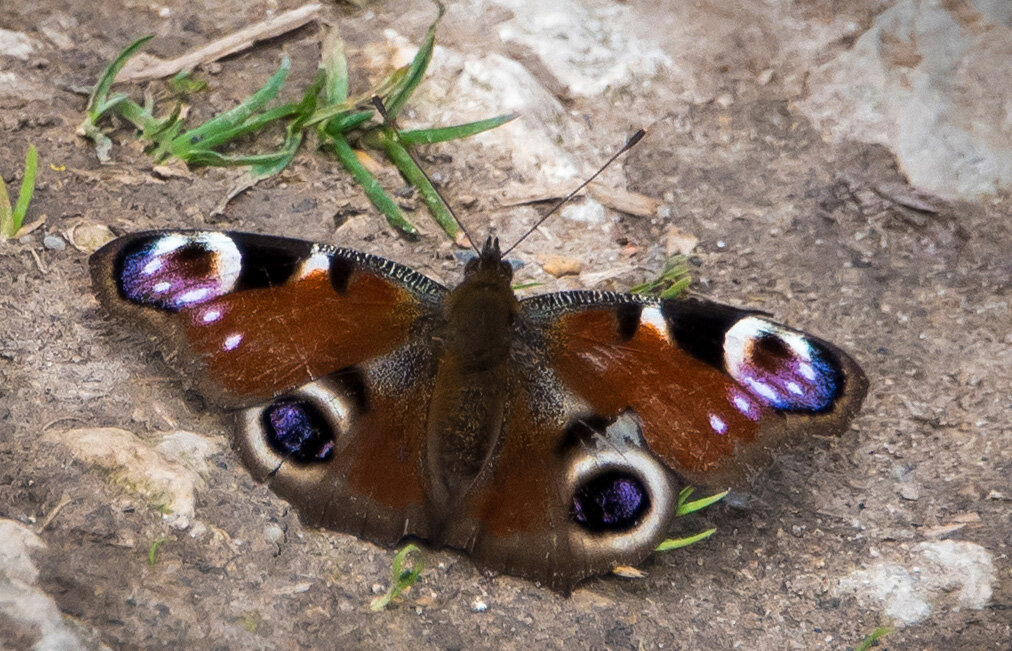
(176,271)
(297,430)
(612,501)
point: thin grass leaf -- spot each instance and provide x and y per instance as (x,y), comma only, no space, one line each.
(869,641)
(442,134)
(415,71)
(345,122)
(379,198)
(7,229)
(386,139)
(673,280)
(401,578)
(184,83)
(236,116)
(685,507)
(153,550)
(294,131)
(12,218)
(255,124)
(99,101)
(678,543)
(27,186)
(335,67)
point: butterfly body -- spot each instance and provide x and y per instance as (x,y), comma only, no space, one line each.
(542,436)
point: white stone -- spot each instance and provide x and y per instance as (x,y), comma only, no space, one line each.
(17,45)
(589,49)
(21,601)
(931,81)
(956,574)
(167,474)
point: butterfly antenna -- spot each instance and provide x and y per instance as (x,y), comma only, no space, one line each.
(633,139)
(392,124)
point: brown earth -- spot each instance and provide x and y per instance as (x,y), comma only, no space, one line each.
(814,232)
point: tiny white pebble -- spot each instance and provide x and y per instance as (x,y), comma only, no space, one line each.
(479,606)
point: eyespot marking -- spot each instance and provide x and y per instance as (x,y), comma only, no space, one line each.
(781,368)
(175,271)
(296,430)
(613,501)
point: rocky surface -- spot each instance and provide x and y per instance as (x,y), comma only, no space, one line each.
(843,166)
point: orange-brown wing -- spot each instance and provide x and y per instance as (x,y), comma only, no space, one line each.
(348,449)
(249,317)
(327,349)
(566,495)
(715,387)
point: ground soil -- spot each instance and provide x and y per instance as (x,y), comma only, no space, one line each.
(787,222)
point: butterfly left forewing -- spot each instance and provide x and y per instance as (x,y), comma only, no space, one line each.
(247,317)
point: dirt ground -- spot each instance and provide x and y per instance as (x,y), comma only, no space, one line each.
(820,233)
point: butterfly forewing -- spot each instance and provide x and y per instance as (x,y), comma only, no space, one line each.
(252,316)
(716,387)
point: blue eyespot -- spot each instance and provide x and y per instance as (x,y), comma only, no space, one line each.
(612,501)
(297,430)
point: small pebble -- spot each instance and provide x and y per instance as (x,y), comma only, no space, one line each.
(54,243)
(478,606)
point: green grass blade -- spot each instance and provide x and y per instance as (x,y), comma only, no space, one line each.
(98,101)
(673,280)
(7,229)
(415,71)
(344,123)
(401,578)
(138,116)
(400,157)
(869,641)
(678,543)
(684,507)
(442,134)
(346,156)
(27,187)
(183,83)
(335,66)
(237,116)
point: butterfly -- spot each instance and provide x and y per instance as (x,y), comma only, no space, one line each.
(545,436)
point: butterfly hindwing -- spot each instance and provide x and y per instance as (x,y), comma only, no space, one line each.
(252,316)
(716,387)
(348,450)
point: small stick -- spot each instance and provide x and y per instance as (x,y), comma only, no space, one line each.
(150,67)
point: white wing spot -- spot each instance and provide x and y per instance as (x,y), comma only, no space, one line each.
(152,266)
(316,263)
(652,317)
(194,295)
(232,341)
(763,389)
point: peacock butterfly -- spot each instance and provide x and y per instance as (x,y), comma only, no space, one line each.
(541,436)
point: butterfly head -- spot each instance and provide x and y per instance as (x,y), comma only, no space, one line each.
(489,264)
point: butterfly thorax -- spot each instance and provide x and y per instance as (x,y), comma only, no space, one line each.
(467,409)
